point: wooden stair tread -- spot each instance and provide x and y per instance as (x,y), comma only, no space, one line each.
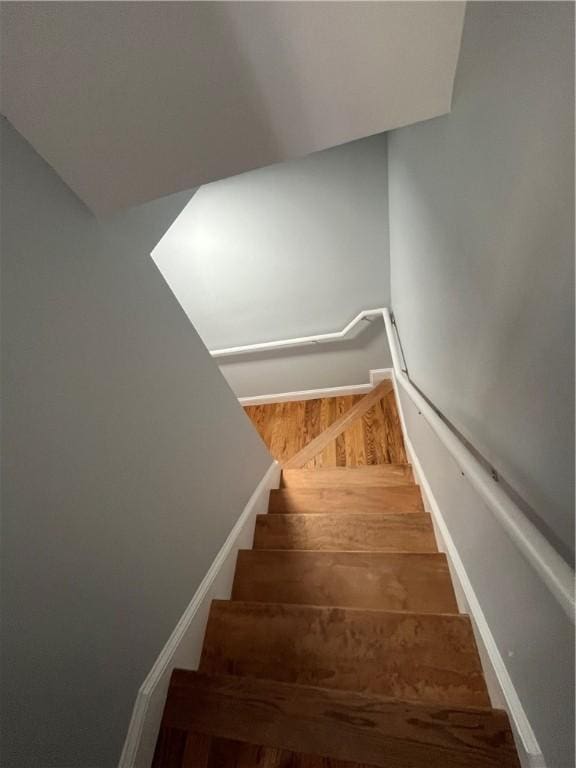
(381,475)
(372,531)
(371,580)
(395,498)
(427,658)
(338,725)
(341,646)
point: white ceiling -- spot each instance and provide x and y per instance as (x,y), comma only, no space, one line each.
(129,101)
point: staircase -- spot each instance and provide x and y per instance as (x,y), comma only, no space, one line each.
(341,645)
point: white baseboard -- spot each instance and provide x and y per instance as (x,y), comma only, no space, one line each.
(184,646)
(380,374)
(501,689)
(376,376)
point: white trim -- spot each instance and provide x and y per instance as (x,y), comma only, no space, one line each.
(185,643)
(501,688)
(376,376)
(306,394)
(299,341)
(551,567)
(380,374)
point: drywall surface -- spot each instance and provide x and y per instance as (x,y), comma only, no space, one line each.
(533,635)
(482,252)
(312,367)
(291,250)
(126,461)
(132,101)
(288,250)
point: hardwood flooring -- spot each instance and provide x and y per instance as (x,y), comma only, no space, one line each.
(345,425)
(286,428)
(342,645)
(374,438)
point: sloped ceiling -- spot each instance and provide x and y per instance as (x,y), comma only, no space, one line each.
(129,101)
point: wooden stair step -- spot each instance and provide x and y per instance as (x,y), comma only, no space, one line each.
(426,658)
(381,475)
(396,498)
(371,580)
(372,531)
(232,714)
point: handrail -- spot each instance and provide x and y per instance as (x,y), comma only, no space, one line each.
(298,341)
(552,568)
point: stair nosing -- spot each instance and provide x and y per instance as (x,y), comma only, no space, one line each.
(338,607)
(362,468)
(351,512)
(401,552)
(346,551)
(307,606)
(338,692)
(354,489)
(342,514)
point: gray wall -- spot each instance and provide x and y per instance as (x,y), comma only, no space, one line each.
(529,627)
(289,250)
(319,366)
(126,461)
(482,249)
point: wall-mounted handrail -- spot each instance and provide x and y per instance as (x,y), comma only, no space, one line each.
(552,568)
(300,341)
